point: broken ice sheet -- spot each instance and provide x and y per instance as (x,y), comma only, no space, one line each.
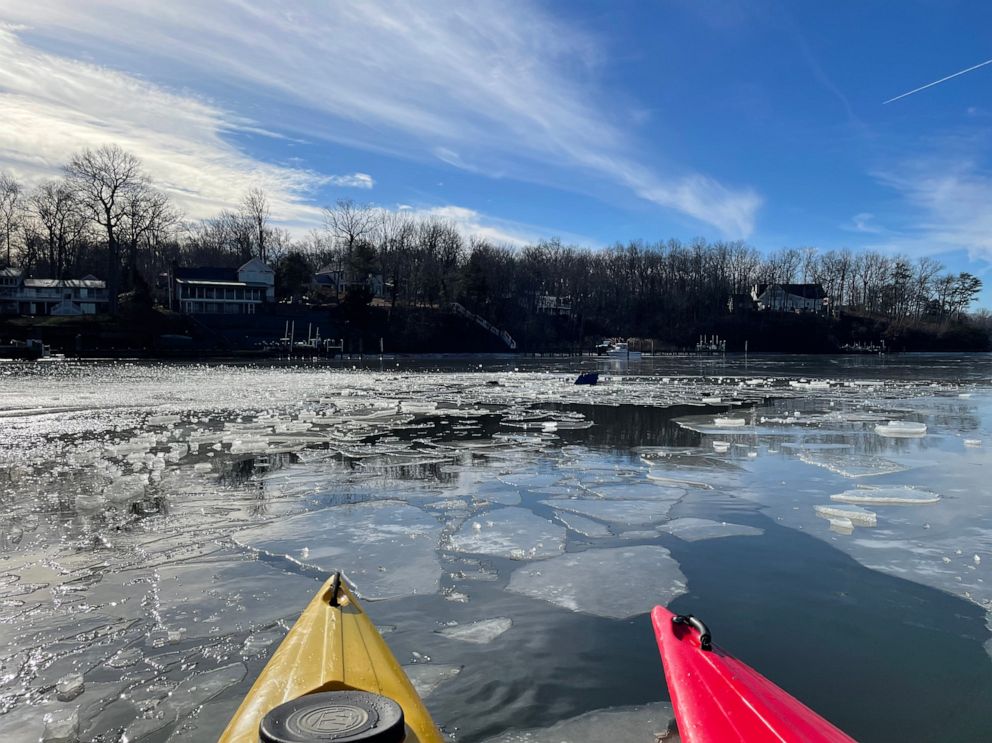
(645,723)
(619,582)
(582,525)
(515,533)
(479,633)
(693,530)
(185,698)
(426,677)
(850,464)
(626,512)
(386,548)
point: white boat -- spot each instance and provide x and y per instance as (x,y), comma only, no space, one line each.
(622,351)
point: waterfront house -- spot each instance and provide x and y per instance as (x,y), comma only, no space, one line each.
(210,290)
(341,280)
(790,297)
(24,296)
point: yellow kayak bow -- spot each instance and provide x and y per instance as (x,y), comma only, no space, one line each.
(333,647)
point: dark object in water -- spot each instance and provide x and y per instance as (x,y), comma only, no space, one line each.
(587,378)
(493,383)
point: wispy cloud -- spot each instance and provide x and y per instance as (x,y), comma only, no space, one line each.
(53,107)
(355,180)
(471,223)
(864,222)
(949,203)
(503,87)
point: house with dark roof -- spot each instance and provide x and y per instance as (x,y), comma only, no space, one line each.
(210,290)
(23,296)
(790,297)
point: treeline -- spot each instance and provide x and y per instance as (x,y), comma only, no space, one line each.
(106,217)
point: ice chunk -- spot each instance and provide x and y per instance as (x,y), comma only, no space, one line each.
(619,582)
(854,514)
(905,496)
(387,548)
(426,677)
(628,512)
(510,532)
(479,633)
(125,658)
(69,687)
(901,429)
(841,525)
(61,726)
(647,723)
(692,529)
(973,442)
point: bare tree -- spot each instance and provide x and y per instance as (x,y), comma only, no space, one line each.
(61,222)
(349,222)
(104,178)
(146,211)
(10,211)
(255,210)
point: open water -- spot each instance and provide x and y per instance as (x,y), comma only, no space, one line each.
(162,525)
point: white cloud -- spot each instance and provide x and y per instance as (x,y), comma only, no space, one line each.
(949,200)
(864,222)
(503,87)
(474,224)
(53,107)
(355,180)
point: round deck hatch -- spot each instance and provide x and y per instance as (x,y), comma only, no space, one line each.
(335,717)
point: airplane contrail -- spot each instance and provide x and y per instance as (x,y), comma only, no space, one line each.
(938,82)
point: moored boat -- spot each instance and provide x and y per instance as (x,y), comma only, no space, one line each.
(622,351)
(332,678)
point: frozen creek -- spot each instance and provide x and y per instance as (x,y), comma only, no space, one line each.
(163,525)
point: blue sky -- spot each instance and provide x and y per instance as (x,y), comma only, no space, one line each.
(592,121)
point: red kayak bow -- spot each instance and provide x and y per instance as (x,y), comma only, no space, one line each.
(719,699)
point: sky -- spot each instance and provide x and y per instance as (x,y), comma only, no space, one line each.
(596,122)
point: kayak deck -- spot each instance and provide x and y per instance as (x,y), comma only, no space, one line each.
(719,699)
(332,647)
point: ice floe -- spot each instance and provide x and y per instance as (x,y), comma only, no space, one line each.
(387,548)
(628,512)
(693,529)
(515,533)
(426,677)
(479,633)
(617,582)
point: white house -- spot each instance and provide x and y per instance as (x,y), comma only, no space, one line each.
(21,296)
(790,297)
(340,281)
(228,291)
